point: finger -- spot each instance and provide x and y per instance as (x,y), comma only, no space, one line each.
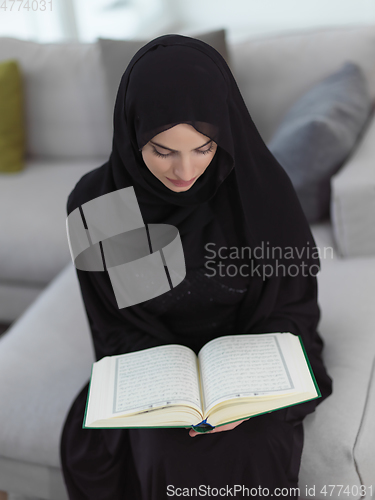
(222,428)
(227,427)
(194,433)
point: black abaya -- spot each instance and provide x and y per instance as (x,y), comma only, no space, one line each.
(143,463)
(244,198)
(147,464)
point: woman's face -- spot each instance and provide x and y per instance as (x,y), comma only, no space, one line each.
(179,154)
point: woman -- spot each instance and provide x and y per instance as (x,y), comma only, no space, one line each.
(179,116)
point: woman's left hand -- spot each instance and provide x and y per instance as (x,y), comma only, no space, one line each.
(222,428)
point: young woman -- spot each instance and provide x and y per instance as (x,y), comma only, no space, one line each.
(184,139)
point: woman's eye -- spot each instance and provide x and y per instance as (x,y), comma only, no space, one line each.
(156,152)
(160,155)
(207,150)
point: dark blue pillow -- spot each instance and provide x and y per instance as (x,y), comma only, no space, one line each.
(319,132)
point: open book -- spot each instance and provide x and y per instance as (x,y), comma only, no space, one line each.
(232,378)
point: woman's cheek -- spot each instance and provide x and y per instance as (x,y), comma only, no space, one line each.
(163,165)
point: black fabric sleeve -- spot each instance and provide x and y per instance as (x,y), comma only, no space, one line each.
(112,334)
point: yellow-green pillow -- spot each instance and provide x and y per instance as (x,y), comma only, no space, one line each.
(12,129)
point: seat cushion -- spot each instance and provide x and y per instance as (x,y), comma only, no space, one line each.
(34,244)
(45,359)
(346,291)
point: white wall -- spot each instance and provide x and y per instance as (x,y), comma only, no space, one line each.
(265,16)
(48,22)
(86,20)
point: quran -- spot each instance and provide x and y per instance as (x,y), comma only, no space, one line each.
(233,377)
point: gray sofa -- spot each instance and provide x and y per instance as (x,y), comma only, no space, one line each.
(46,356)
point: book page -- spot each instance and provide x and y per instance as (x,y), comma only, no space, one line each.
(155,377)
(243,365)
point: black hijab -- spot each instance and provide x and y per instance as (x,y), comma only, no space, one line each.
(243,198)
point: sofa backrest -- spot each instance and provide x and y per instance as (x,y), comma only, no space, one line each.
(273,72)
(67,103)
(65,98)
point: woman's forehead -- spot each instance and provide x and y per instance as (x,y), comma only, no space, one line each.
(181,134)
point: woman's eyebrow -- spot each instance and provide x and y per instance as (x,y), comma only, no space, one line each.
(169,149)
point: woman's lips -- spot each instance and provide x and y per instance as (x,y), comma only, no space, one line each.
(182,183)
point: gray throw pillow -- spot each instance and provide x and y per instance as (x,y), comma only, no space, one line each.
(117,54)
(319,132)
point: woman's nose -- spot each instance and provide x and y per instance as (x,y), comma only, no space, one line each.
(184,168)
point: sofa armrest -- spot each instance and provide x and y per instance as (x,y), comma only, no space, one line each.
(353,200)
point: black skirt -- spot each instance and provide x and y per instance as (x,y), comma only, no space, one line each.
(258,456)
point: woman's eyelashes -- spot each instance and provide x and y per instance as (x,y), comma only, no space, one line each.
(156,152)
(207,150)
(160,155)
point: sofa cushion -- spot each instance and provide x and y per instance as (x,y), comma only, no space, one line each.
(65,100)
(319,132)
(116,55)
(45,359)
(34,244)
(12,132)
(333,452)
(365,445)
(273,72)
(353,200)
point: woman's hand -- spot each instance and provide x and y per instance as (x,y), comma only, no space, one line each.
(227,427)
